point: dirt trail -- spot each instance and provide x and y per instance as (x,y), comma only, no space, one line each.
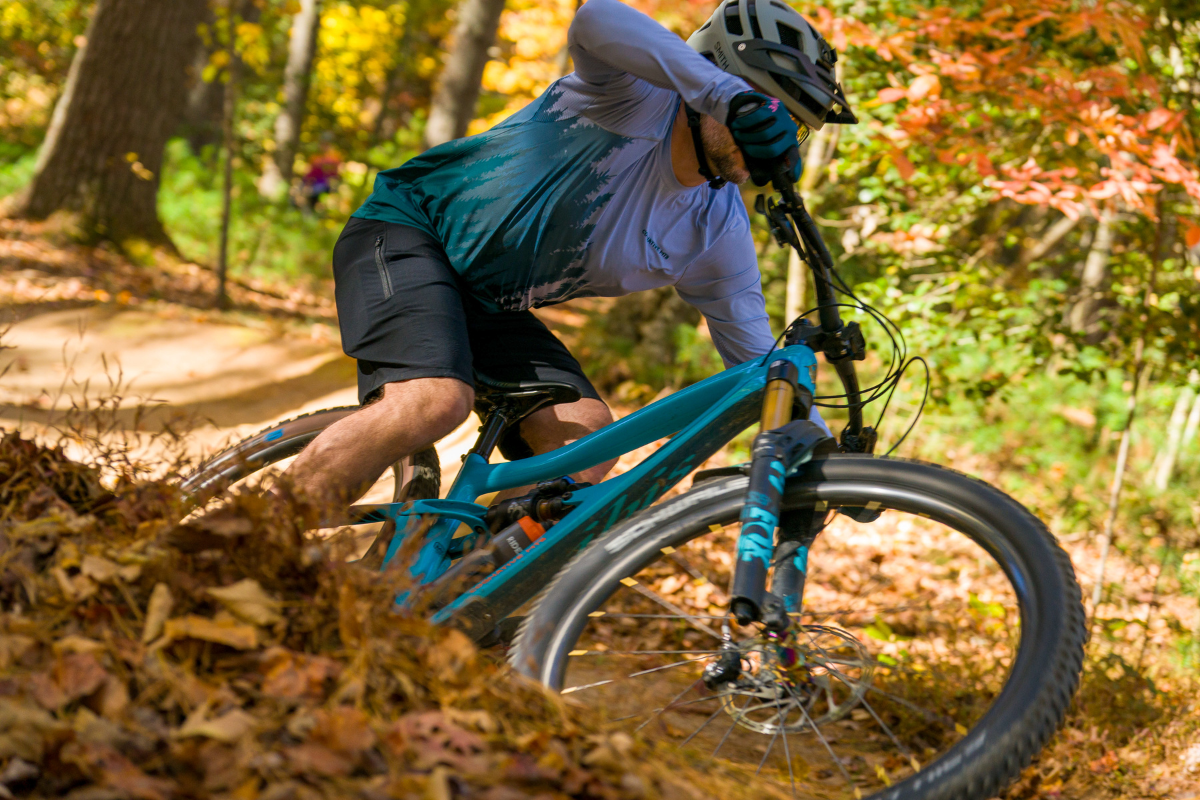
(81,326)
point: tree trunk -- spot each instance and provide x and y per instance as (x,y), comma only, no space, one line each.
(227,136)
(124,96)
(1085,314)
(1193,422)
(1164,465)
(302,47)
(454,103)
(201,122)
(795,299)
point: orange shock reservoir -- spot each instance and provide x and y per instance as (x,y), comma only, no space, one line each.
(779,394)
(515,539)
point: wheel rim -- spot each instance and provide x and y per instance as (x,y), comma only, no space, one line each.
(943,640)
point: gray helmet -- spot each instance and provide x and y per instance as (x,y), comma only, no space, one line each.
(769,43)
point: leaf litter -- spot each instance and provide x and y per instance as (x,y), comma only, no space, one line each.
(273,669)
(140,658)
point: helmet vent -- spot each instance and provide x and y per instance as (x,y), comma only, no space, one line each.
(752,12)
(788,36)
(733,21)
(705,26)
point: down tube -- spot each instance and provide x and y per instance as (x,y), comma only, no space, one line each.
(621,497)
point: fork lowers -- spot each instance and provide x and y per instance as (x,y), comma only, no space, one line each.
(760,515)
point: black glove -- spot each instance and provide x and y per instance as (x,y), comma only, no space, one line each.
(766,134)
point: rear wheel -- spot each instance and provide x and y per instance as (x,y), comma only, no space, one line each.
(937,651)
(259,458)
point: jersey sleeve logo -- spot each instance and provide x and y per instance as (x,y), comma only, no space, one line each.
(654,245)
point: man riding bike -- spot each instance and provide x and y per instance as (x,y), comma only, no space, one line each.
(614,180)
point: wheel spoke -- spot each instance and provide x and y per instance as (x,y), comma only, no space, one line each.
(732,725)
(828,748)
(694,733)
(665,603)
(631,675)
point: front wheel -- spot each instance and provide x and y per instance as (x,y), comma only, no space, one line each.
(937,650)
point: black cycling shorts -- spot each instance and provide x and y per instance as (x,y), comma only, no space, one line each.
(404,314)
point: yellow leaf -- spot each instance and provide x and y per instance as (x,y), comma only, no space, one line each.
(157,611)
(248,601)
(231,634)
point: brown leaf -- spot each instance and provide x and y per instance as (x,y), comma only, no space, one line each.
(231,634)
(344,728)
(214,530)
(450,655)
(112,699)
(99,569)
(12,648)
(294,675)
(158,608)
(24,730)
(435,740)
(228,727)
(73,643)
(45,691)
(108,767)
(247,600)
(79,674)
(319,759)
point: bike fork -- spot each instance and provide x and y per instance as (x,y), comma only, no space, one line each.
(781,445)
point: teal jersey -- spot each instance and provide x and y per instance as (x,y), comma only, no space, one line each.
(575,195)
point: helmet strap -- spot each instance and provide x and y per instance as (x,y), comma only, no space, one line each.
(693,120)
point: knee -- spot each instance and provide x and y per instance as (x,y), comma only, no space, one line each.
(436,405)
(455,405)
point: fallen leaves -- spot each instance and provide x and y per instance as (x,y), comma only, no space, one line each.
(274,670)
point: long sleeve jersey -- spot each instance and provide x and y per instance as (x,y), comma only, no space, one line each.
(575,195)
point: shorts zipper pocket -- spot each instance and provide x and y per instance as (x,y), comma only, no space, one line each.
(388,291)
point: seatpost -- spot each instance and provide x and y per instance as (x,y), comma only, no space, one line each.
(490,433)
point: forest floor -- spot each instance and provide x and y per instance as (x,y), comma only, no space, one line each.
(95,349)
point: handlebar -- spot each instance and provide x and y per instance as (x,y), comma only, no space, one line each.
(803,235)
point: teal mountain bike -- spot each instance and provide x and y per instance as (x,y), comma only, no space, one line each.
(821,621)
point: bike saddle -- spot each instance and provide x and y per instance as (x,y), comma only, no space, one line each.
(521,398)
(518,400)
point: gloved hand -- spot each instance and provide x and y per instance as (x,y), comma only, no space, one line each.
(766,134)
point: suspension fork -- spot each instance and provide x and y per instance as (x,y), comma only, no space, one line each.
(782,443)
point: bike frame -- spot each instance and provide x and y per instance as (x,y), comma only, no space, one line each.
(700,420)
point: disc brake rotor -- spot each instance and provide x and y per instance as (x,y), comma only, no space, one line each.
(814,675)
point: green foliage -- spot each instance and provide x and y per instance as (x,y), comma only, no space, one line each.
(266,238)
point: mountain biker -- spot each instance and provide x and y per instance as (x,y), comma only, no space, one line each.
(620,177)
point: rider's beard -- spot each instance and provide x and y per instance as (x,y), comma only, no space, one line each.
(723,154)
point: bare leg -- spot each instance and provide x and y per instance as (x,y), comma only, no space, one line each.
(555,426)
(342,463)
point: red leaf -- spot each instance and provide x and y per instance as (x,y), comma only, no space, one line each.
(1191,234)
(903,165)
(891,94)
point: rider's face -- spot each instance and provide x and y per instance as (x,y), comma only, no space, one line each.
(724,156)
